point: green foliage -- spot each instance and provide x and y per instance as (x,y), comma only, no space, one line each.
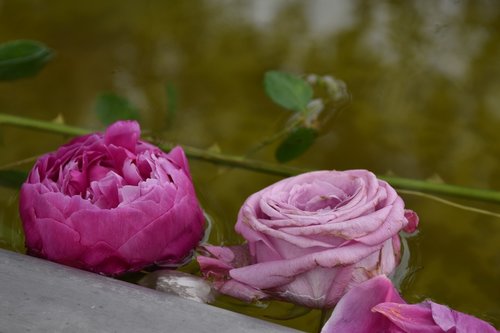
(110,108)
(22,58)
(295,144)
(288,90)
(12,178)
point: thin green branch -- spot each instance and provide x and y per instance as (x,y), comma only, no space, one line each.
(264,167)
(443,189)
(234,161)
(40,125)
(273,138)
(29,160)
(450,203)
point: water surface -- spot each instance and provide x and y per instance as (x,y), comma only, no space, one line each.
(424,78)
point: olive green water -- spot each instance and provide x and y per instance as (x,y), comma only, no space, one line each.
(425,81)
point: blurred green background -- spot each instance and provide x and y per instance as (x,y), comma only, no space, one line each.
(425,85)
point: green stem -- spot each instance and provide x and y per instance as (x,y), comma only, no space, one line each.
(40,125)
(274,137)
(233,161)
(264,167)
(325,314)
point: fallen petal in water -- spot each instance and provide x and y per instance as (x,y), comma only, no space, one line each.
(181,284)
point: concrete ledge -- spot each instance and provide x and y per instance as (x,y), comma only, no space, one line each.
(40,296)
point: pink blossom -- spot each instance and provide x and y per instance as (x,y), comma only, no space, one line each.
(311,237)
(111,203)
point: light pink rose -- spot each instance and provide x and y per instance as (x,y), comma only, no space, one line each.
(111,203)
(375,306)
(312,237)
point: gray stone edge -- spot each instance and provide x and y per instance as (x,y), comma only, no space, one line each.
(41,296)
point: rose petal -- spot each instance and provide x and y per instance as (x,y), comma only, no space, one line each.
(217,268)
(375,306)
(275,273)
(353,312)
(348,229)
(448,319)
(178,157)
(409,318)
(123,134)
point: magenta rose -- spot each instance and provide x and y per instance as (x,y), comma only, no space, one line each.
(375,306)
(111,203)
(310,238)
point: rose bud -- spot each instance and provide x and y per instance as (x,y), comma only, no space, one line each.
(310,238)
(375,306)
(111,203)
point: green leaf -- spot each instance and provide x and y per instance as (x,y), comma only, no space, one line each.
(287,90)
(22,58)
(12,178)
(295,144)
(110,108)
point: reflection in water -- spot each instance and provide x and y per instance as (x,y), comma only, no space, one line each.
(424,78)
(323,17)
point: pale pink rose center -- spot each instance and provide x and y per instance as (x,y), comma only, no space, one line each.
(318,196)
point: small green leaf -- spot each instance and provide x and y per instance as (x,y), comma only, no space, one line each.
(295,144)
(22,58)
(12,178)
(110,108)
(287,90)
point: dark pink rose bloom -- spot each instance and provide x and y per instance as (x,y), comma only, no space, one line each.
(375,306)
(311,237)
(111,203)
